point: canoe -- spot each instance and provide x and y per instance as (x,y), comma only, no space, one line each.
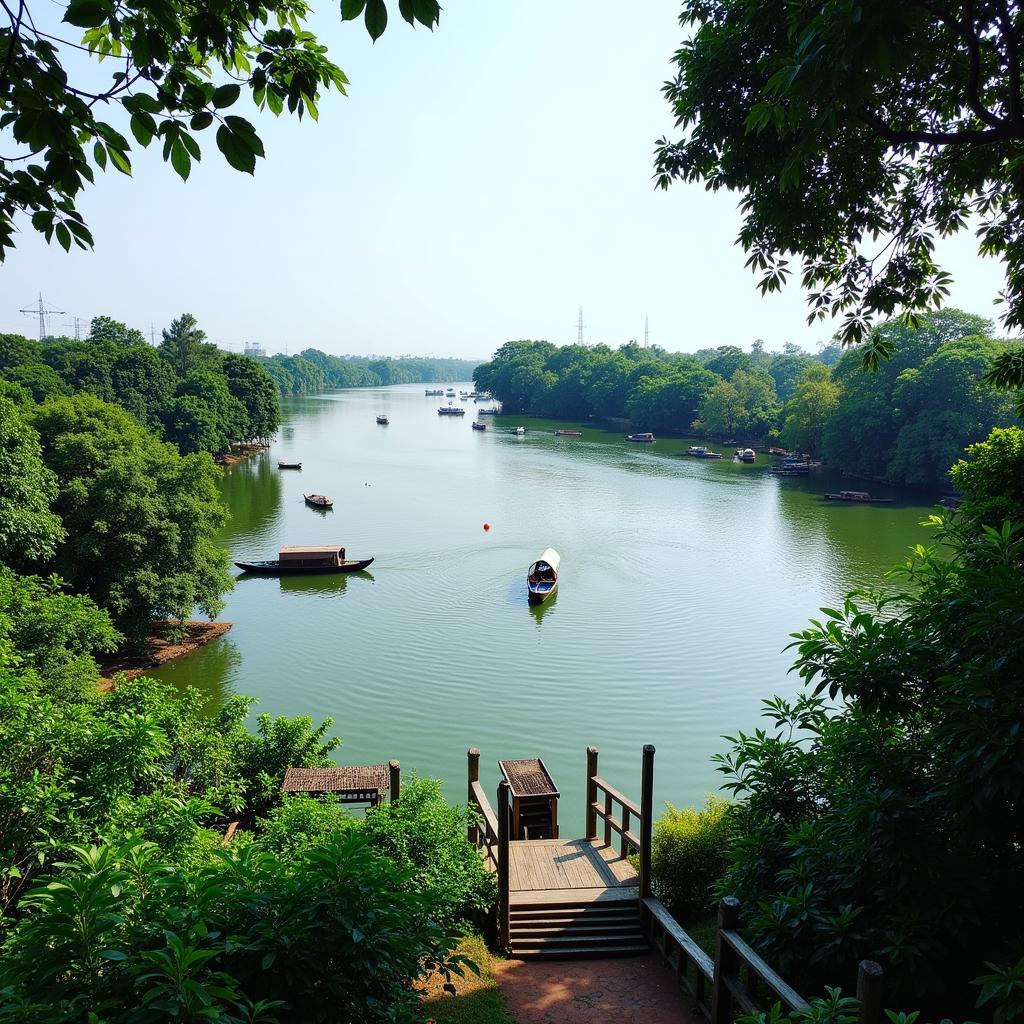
(318,500)
(382,420)
(479,426)
(289,465)
(641,438)
(859,496)
(274,567)
(542,578)
(568,433)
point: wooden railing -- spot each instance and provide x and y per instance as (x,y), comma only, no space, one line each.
(737,979)
(483,833)
(618,813)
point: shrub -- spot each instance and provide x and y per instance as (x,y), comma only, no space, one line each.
(301,822)
(423,834)
(690,852)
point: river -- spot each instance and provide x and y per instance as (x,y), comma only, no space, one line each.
(680,582)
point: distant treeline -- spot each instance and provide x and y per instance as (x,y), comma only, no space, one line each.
(185,390)
(313,370)
(907,423)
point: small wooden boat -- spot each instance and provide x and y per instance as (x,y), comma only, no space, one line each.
(861,496)
(318,500)
(519,431)
(699,451)
(431,392)
(542,579)
(295,561)
(477,425)
(451,410)
(641,438)
(289,465)
(487,412)
(746,454)
(568,433)
(383,420)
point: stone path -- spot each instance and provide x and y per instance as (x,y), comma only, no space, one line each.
(633,990)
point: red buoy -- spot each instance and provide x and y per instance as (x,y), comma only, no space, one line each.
(487,526)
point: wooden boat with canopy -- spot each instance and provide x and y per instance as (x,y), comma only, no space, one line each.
(542,579)
(318,501)
(318,559)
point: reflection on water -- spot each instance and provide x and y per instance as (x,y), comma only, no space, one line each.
(681,580)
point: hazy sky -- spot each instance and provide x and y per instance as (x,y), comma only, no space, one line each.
(479,183)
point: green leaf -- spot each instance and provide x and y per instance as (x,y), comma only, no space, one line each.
(376,18)
(99,154)
(119,159)
(235,150)
(143,134)
(180,160)
(88,13)
(226,95)
(64,237)
(351,9)
(201,120)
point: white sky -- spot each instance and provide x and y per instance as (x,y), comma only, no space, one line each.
(478,184)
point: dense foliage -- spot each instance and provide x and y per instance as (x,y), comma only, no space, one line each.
(312,370)
(689,853)
(906,423)
(178,69)
(856,133)
(118,895)
(185,390)
(881,811)
(141,519)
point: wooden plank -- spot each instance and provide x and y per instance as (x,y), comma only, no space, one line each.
(574,896)
(676,934)
(789,996)
(617,796)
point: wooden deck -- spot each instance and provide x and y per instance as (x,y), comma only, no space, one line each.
(568,870)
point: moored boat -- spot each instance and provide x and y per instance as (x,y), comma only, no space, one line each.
(646,438)
(319,500)
(746,454)
(860,496)
(315,560)
(568,433)
(487,412)
(699,451)
(451,410)
(289,465)
(519,430)
(432,392)
(542,579)
(477,425)
(383,420)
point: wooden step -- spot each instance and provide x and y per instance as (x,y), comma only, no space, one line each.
(564,920)
(556,931)
(580,951)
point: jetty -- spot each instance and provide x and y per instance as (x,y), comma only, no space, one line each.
(583,898)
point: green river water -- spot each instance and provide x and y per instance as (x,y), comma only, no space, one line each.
(680,582)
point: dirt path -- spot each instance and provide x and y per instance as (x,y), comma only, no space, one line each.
(634,990)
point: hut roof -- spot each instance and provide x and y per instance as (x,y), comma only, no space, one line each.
(336,780)
(551,556)
(528,777)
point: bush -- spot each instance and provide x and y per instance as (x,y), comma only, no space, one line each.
(424,835)
(337,935)
(689,853)
(301,822)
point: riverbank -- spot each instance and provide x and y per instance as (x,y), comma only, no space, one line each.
(240,452)
(166,642)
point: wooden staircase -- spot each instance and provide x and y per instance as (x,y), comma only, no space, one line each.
(576,929)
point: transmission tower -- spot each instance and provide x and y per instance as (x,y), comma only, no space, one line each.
(579,327)
(43,313)
(647,333)
(76,322)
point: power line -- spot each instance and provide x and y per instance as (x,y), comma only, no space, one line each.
(43,314)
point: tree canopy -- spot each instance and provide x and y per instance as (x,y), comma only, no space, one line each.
(177,70)
(856,133)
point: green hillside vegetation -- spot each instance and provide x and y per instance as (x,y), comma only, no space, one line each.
(312,370)
(906,423)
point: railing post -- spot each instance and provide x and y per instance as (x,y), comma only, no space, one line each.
(870,981)
(503,865)
(473,772)
(591,792)
(395,779)
(727,962)
(608,819)
(646,824)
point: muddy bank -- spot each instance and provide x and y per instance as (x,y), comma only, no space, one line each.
(160,648)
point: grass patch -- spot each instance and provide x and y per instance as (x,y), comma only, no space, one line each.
(703,931)
(477,1000)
